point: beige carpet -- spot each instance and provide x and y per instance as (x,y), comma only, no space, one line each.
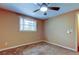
(41,48)
(47,49)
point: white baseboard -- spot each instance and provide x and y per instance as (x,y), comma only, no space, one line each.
(37,42)
(21,45)
(60,46)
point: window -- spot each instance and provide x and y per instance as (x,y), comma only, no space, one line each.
(27,25)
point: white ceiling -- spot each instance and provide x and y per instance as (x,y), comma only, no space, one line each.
(28,8)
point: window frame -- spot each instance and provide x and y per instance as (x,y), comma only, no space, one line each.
(22,24)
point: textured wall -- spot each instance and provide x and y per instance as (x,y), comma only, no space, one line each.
(57,28)
(9,31)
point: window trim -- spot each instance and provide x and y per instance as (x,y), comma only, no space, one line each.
(29,19)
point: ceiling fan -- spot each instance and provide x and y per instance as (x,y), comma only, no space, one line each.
(44,8)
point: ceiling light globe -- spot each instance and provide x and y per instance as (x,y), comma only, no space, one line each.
(43,9)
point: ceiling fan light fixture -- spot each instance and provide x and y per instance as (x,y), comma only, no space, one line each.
(43,9)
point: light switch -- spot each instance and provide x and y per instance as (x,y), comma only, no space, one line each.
(68,31)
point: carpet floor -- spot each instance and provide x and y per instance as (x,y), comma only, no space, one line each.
(41,48)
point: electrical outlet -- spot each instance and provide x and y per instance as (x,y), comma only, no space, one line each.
(6,43)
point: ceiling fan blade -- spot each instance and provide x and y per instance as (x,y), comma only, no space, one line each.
(38,4)
(45,13)
(36,10)
(54,8)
